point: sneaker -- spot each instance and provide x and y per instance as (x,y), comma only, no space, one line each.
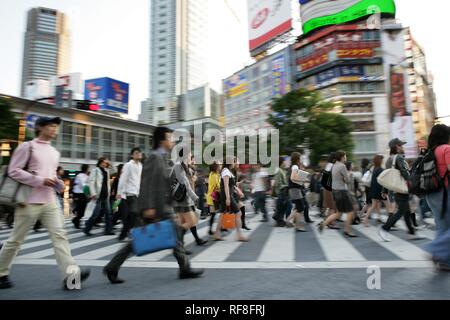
(5,283)
(423,226)
(384,235)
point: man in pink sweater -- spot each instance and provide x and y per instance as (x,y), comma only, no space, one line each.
(42,159)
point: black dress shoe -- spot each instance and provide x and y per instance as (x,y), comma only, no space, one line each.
(110,233)
(5,283)
(191,273)
(187,252)
(246,228)
(202,242)
(113,276)
(210,232)
(83,277)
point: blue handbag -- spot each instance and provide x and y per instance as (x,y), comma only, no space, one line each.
(154,237)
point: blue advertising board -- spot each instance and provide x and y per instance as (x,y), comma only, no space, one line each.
(109,94)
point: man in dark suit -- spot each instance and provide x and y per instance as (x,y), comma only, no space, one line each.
(154,204)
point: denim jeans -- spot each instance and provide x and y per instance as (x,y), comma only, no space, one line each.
(102,207)
(440,247)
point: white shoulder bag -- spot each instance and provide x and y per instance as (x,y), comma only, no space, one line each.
(392,179)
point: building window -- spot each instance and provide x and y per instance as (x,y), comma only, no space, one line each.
(161,91)
(161,73)
(161,56)
(363,126)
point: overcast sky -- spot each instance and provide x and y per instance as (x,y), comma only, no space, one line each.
(111,38)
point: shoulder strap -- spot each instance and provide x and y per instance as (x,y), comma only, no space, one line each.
(30,153)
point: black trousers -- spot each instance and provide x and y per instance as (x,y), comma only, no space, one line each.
(130,215)
(260,203)
(127,252)
(403,210)
(81,202)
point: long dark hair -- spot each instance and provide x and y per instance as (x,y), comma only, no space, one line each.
(100,160)
(440,134)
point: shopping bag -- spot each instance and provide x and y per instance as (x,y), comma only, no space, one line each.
(228,221)
(154,237)
(90,209)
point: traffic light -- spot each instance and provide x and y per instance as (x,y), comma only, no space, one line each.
(87,105)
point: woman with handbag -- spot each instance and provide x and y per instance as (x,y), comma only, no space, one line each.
(398,162)
(376,191)
(341,195)
(328,202)
(213,194)
(229,204)
(185,208)
(295,193)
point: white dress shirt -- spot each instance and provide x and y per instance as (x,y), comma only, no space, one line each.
(130,180)
(79,183)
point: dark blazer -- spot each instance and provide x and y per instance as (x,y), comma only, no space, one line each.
(155,185)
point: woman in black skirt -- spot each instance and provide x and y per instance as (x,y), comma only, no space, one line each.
(341,195)
(376,191)
(229,203)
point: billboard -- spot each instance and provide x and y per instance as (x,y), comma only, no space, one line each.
(109,94)
(268,19)
(236,85)
(319,13)
(279,84)
(402,126)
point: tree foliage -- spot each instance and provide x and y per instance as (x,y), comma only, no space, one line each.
(306,121)
(9,125)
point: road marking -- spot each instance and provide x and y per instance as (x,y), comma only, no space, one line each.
(335,247)
(280,246)
(401,248)
(246,265)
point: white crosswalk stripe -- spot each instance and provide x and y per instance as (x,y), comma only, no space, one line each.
(274,251)
(336,247)
(276,248)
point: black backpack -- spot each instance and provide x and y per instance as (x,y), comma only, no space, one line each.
(425,178)
(327,180)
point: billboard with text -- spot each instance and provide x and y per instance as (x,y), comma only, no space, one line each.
(268,19)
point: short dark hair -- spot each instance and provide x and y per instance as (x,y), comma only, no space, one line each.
(339,155)
(281,160)
(295,158)
(84,168)
(378,160)
(332,157)
(365,163)
(159,135)
(393,150)
(59,168)
(348,165)
(213,167)
(100,160)
(134,150)
(440,134)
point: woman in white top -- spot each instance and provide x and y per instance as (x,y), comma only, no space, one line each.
(295,193)
(79,197)
(229,202)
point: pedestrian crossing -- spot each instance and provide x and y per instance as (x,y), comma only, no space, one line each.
(269,248)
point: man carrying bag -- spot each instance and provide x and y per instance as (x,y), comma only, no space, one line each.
(155,204)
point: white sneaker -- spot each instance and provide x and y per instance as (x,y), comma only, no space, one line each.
(384,235)
(421,227)
(416,236)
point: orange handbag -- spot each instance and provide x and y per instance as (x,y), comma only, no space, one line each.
(228,221)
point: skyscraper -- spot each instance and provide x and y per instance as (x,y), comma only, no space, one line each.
(178,40)
(47,45)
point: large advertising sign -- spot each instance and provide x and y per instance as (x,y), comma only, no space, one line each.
(319,13)
(402,126)
(268,19)
(236,85)
(108,93)
(279,77)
